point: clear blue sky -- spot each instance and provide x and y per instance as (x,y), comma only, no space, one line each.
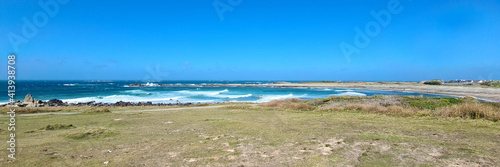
(257,40)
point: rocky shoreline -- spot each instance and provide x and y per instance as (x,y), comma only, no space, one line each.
(29,101)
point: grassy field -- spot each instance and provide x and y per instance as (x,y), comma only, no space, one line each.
(336,131)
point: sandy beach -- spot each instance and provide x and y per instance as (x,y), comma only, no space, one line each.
(475,91)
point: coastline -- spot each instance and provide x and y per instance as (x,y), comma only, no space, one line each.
(484,93)
(492,94)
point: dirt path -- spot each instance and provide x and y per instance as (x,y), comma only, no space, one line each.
(127,111)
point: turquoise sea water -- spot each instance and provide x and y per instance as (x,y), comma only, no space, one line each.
(114,91)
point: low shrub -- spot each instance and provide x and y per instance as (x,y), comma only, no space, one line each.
(432,103)
(491,83)
(293,104)
(434,82)
(29,110)
(98,110)
(239,106)
(474,110)
(57,127)
(390,110)
(91,133)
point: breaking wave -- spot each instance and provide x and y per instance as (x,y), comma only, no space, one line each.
(350,94)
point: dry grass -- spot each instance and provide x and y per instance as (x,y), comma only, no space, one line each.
(29,110)
(257,137)
(88,109)
(471,110)
(57,127)
(98,110)
(378,109)
(291,104)
(467,108)
(91,133)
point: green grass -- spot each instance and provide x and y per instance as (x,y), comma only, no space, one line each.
(432,103)
(253,135)
(91,133)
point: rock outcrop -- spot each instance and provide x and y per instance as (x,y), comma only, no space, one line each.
(55,102)
(29,101)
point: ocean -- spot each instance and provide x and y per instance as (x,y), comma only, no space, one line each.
(114,91)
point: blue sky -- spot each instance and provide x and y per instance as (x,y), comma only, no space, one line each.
(257,40)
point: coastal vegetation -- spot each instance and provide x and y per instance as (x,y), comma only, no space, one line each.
(434,82)
(491,83)
(467,107)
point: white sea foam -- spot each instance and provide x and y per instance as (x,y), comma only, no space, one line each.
(267,98)
(203,93)
(157,97)
(345,90)
(116,98)
(69,84)
(133,91)
(216,94)
(233,96)
(350,94)
(137,92)
(150,84)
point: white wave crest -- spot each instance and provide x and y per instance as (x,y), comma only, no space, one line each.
(268,98)
(345,90)
(234,96)
(203,93)
(350,94)
(117,98)
(137,92)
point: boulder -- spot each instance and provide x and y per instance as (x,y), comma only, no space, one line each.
(29,101)
(55,102)
(134,85)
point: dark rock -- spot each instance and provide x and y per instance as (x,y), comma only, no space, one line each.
(134,85)
(55,102)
